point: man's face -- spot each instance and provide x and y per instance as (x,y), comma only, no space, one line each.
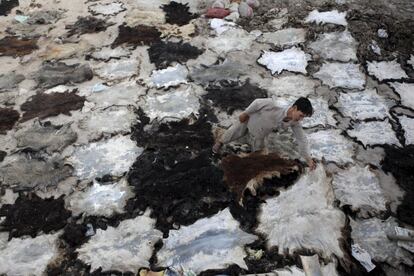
(297,115)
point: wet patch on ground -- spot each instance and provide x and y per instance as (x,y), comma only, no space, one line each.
(87,25)
(231,96)
(31,214)
(47,105)
(177,13)
(55,73)
(400,162)
(163,54)
(8,118)
(136,36)
(17,47)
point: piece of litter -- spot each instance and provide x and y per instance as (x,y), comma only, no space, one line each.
(382,33)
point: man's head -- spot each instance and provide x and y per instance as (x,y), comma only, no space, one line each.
(300,109)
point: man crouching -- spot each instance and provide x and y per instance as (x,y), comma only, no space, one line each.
(262,116)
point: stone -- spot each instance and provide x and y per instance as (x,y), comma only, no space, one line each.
(371,235)
(373,133)
(32,215)
(303,217)
(28,256)
(363,105)
(359,188)
(293,59)
(100,200)
(331,146)
(87,25)
(45,137)
(51,74)
(108,9)
(17,47)
(386,70)
(345,75)
(136,36)
(285,37)
(8,118)
(333,17)
(22,173)
(209,243)
(10,81)
(163,54)
(243,173)
(113,156)
(125,248)
(339,46)
(47,105)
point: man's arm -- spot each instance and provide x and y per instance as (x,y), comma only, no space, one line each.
(303,144)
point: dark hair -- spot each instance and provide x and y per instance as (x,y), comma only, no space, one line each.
(304,105)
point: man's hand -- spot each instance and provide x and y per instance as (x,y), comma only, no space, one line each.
(244,117)
(311,164)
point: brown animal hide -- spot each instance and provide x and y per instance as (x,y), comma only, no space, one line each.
(137,36)
(249,172)
(16,47)
(8,117)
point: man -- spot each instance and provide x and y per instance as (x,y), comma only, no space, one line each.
(262,116)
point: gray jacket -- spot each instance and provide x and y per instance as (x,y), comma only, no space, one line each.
(265,116)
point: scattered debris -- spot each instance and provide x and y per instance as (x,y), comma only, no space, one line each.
(177,13)
(335,46)
(386,70)
(136,36)
(47,105)
(45,137)
(124,248)
(30,214)
(333,17)
(28,256)
(373,133)
(17,47)
(106,9)
(249,172)
(218,239)
(231,96)
(162,54)
(100,200)
(87,25)
(8,118)
(345,75)
(113,156)
(22,173)
(172,76)
(360,188)
(293,59)
(51,74)
(331,146)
